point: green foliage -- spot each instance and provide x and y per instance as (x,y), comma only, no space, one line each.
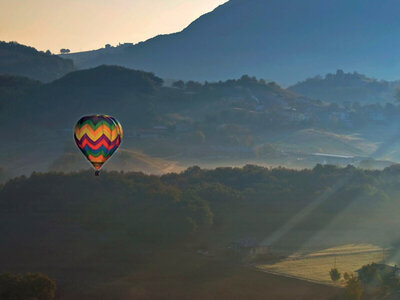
(119,218)
(370,276)
(379,278)
(139,206)
(335,274)
(176,207)
(353,289)
(29,286)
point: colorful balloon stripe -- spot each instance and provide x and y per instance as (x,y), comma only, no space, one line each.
(98,137)
(95,146)
(96,134)
(104,150)
(87,139)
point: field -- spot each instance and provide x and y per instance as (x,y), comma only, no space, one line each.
(315,266)
(312,140)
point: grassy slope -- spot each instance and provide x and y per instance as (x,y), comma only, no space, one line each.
(313,140)
(316,266)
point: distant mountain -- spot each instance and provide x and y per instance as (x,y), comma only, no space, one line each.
(16,59)
(346,87)
(286,40)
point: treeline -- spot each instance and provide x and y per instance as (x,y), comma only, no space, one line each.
(143,207)
(226,202)
(344,87)
(371,281)
(95,229)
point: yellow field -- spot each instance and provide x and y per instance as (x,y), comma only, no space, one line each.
(316,266)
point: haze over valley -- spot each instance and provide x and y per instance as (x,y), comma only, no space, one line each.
(259,159)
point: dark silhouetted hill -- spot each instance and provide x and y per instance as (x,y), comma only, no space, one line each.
(108,78)
(97,235)
(284,40)
(12,87)
(346,87)
(140,99)
(16,59)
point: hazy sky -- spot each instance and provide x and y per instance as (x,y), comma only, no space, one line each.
(90,24)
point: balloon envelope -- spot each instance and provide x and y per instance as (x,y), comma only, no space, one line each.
(98,137)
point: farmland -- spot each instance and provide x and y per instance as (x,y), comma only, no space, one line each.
(315,266)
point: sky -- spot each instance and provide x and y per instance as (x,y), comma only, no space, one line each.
(90,24)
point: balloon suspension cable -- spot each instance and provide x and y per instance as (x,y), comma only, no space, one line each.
(97,173)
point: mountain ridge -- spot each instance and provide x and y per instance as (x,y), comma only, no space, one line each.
(25,61)
(284,40)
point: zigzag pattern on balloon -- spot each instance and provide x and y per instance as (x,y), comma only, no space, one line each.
(102,150)
(94,134)
(98,137)
(102,141)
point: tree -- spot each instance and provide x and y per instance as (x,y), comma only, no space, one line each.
(370,276)
(353,289)
(335,275)
(375,277)
(64,51)
(193,85)
(178,84)
(390,282)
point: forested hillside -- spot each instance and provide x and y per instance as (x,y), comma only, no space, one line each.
(17,59)
(242,120)
(125,225)
(347,87)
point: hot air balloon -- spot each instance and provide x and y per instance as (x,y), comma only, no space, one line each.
(98,137)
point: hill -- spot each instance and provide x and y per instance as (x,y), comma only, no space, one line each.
(346,87)
(14,87)
(141,101)
(284,40)
(235,121)
(17,59)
